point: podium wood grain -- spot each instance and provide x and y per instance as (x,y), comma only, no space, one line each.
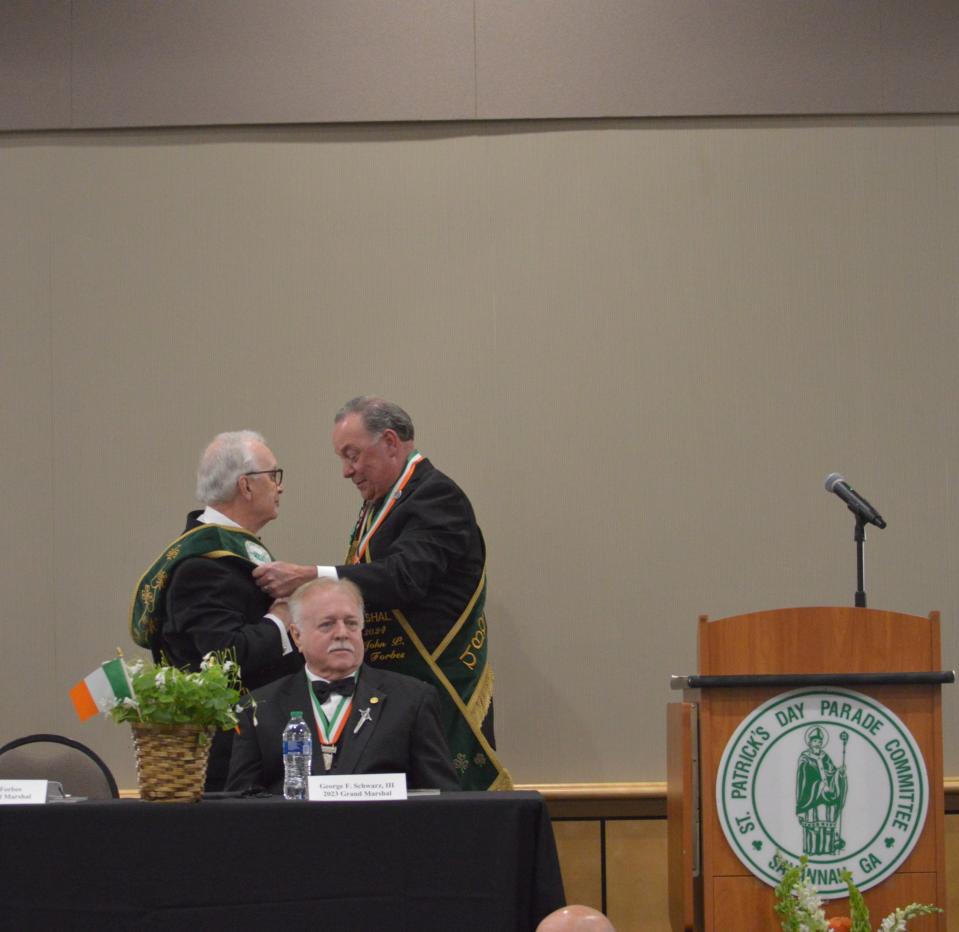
(680,826)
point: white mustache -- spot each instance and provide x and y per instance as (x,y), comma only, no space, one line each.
(343,645)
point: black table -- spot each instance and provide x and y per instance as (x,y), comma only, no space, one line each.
(459,861)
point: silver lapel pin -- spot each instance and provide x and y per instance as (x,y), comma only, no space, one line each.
(364,717)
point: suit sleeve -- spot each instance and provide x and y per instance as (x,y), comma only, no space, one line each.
(246,762)
(433,530)
(431,766)
(206,605)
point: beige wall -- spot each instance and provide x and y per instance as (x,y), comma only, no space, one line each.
(82,64)
(639,346)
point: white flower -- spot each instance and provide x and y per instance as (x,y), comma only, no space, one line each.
(134,668)
(228,665)
(812,918)
(893,922)
(808,896)
(130,702)
(160,678)
(209,660)
(109,704)
(809,900)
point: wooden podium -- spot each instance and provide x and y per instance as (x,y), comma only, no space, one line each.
(743,662)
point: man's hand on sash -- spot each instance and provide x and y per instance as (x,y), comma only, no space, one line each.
(281,580)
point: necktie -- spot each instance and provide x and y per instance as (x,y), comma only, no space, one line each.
(344,687)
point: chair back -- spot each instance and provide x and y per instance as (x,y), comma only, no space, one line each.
(53,757)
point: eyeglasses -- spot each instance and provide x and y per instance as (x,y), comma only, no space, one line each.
(275,474)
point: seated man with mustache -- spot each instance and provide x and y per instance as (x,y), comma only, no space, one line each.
(363,719)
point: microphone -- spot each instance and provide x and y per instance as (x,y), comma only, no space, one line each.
(836,484)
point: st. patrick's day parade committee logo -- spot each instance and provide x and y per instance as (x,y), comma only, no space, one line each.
(827,773)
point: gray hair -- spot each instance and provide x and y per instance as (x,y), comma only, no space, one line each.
(225,459)
(378,415)
(319,585)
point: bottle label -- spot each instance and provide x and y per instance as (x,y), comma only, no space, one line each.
(297,746)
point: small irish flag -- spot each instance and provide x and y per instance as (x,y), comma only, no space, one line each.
(102,689)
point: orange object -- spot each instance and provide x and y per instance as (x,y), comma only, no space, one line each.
(840,923)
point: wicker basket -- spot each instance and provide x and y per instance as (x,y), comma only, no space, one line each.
(171,761)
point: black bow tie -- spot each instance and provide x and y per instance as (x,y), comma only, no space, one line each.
(344,687)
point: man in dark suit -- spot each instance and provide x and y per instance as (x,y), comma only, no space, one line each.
(199,595)
(363,720)
(418,555)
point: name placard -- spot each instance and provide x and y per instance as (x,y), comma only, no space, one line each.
(357,788)
(22,792)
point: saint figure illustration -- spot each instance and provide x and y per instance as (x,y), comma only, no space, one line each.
(820,794)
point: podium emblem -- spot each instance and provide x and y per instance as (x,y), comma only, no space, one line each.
(827,773)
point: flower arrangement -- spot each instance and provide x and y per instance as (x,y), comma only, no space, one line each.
(165,695)
(799,907)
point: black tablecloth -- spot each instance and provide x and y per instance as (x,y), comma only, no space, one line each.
(460,861)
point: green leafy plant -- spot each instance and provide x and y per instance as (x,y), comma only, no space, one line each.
(799,906)
(859,912)
(167,695)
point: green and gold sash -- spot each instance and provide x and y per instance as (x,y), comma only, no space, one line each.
(148,607)
(460,670)
(458,667)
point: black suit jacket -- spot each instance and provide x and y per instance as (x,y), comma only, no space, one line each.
(427,557)
(214,604)
(403,734)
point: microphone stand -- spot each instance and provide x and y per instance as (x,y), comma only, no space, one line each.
(860,538)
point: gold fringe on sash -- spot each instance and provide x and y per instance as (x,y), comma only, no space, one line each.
(479,703)
(503,781)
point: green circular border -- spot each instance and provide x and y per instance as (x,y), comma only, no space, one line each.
(744,726)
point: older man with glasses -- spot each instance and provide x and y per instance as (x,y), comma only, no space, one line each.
(199,595)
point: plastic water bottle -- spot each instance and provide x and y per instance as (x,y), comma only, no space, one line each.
(297,757)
